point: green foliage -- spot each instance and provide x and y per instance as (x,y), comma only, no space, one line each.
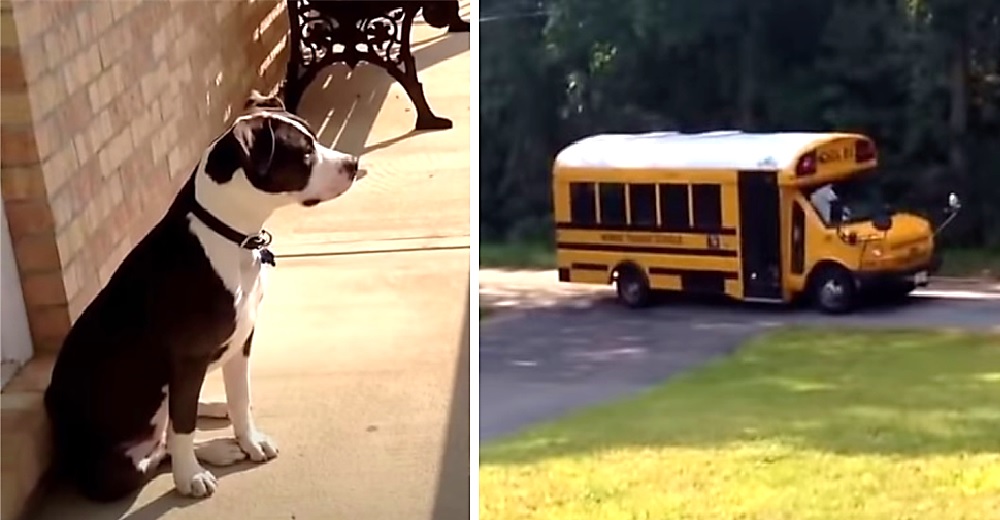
(920,76)
(517,255)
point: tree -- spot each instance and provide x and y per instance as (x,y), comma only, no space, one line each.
(921,76)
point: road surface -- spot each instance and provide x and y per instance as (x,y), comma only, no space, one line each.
(563,346)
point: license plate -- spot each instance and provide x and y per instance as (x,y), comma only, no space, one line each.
(920,278)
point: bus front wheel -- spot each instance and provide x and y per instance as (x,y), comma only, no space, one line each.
(834,290)
(632,286)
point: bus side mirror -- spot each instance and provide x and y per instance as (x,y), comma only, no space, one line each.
(952,211)
(954,204)
(882,222)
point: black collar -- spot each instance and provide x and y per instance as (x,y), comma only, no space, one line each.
(258,242)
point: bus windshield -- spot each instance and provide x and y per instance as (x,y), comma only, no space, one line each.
(860,198)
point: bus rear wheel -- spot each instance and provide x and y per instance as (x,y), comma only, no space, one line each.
(834,290)
(632,287)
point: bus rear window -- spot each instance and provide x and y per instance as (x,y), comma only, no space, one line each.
(582,203)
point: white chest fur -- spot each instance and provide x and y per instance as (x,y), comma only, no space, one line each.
(243,275)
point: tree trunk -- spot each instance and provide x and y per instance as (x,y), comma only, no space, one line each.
(747,95)
(958,115)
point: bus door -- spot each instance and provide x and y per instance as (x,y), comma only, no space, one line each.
(760,235)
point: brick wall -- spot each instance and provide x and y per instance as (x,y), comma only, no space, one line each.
(107,106)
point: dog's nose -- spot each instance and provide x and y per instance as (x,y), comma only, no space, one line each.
(351,167)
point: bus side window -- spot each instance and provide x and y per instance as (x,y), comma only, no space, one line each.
(707,200)
(582,204)
(642,204)
(674,207)
(612,203)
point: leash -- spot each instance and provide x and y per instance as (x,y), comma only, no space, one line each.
(256,242)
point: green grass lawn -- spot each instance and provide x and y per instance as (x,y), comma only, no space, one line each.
(517,255)
(799,425)
(971,262)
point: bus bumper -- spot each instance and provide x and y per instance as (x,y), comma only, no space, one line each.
(913,276)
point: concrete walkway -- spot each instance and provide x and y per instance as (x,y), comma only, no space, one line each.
(360,364)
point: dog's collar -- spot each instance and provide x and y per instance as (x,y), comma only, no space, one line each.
(257,242)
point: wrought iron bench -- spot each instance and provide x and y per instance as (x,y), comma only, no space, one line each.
(324,32)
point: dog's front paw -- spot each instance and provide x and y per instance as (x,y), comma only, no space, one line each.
(257,446)
(194,481)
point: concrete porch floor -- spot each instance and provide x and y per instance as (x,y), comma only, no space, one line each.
(360,364)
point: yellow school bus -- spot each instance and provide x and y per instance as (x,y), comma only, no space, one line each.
(755,216)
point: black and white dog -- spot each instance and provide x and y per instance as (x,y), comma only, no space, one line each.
(125,387)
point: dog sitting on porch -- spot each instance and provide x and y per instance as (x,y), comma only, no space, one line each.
(125,387)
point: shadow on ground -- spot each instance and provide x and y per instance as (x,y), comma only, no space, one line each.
(355,98)
(62,500)
(451,502)
(895,394)
(350,100)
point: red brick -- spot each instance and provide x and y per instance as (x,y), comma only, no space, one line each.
(22,183)
(37,253)
(125,107)
(84,296)
(100,244)
(140,163)
(83,23)
(101,18)
(140,61)
(75,114)
(18,147)
(12,72)
(29,217)
(121,219)
(50,322)
(48,137)
(82,185)
(43,289)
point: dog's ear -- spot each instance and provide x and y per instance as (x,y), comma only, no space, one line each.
(279,92)
(245,132)
(258,100)
(249,145)
(255,137)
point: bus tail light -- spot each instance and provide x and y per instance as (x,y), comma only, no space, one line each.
(806,164)
(864,151)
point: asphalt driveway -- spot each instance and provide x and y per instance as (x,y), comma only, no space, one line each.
(572,350)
